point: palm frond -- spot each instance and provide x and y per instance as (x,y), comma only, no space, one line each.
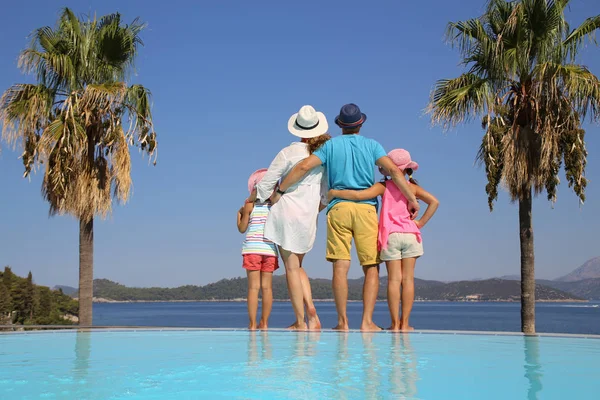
(72,121)
(460,99)
(574,82)
(102,98)
(24,108)
(587,30)
(523,79)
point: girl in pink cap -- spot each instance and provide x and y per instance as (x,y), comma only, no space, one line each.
(260,257)
(399,242)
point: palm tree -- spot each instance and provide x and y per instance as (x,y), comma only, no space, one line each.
(78,122)
(523,80)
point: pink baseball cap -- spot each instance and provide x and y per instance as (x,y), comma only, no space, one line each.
(255,178)
(402,159)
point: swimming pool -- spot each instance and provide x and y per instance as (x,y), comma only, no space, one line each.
(226,364)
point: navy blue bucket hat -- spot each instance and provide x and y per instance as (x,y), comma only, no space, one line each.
(350,117)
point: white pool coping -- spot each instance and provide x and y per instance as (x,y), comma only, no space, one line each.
(54,329)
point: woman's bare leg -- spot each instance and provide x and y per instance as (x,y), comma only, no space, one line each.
(294,281)
(408,291)
(253,288)
(266,288)
(394,269)
(311,311)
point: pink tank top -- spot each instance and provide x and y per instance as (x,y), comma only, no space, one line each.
(394,216)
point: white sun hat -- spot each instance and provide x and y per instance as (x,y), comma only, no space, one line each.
(308,123)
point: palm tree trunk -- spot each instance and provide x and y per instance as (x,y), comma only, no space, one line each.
(86,271)
(527,264)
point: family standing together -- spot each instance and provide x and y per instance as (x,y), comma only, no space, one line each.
(337,175)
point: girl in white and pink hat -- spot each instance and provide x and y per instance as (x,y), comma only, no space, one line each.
(399,241)
(260,256)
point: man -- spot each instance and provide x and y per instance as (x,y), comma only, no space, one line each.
(350,160)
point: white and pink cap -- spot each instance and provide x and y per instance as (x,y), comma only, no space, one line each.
(255,178)
(402,159)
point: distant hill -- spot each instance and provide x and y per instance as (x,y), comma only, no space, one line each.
(68,290)
(489,290)
(235,289)
(510,277)
(589,270)
(587,289)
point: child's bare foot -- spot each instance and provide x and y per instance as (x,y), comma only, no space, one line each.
(263,325)
(314,324)
(370,327)
(252,326)
(395,328)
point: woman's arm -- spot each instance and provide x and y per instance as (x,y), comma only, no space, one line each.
(432,205)
(358,195)
(267,184)
(243,217)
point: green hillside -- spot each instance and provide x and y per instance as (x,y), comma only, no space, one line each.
(235,289)
(23,302)
(586,288)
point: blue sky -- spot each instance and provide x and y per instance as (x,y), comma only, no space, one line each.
(225,77)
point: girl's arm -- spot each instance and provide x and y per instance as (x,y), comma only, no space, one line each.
(432,205)
(243,217)
(358,195)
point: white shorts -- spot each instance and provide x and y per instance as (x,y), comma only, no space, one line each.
(400,246)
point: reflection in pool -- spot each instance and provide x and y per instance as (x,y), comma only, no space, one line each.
(277,364)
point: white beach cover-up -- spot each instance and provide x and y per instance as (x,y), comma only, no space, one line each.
(292,222)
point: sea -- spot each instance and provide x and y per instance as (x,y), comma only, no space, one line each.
(572,318)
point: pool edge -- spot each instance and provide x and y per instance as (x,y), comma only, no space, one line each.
(54,329)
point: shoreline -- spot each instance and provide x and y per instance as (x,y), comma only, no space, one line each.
(243,300)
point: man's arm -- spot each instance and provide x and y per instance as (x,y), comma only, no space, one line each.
(387,164)
(296,174)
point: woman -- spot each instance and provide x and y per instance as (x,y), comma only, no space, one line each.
(292,222)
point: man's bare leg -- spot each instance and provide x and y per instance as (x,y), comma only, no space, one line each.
(394,269)
(408,292)
(292,270)
(253,288)
(266,287)
(370,291)
(340,292)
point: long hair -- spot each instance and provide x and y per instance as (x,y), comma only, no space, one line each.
(315,143)
(409,172)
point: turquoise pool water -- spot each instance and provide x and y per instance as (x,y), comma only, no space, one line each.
(275,365)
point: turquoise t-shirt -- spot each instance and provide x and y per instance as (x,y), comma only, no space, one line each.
(350,162)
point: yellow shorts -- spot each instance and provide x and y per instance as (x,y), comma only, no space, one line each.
(347,220)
